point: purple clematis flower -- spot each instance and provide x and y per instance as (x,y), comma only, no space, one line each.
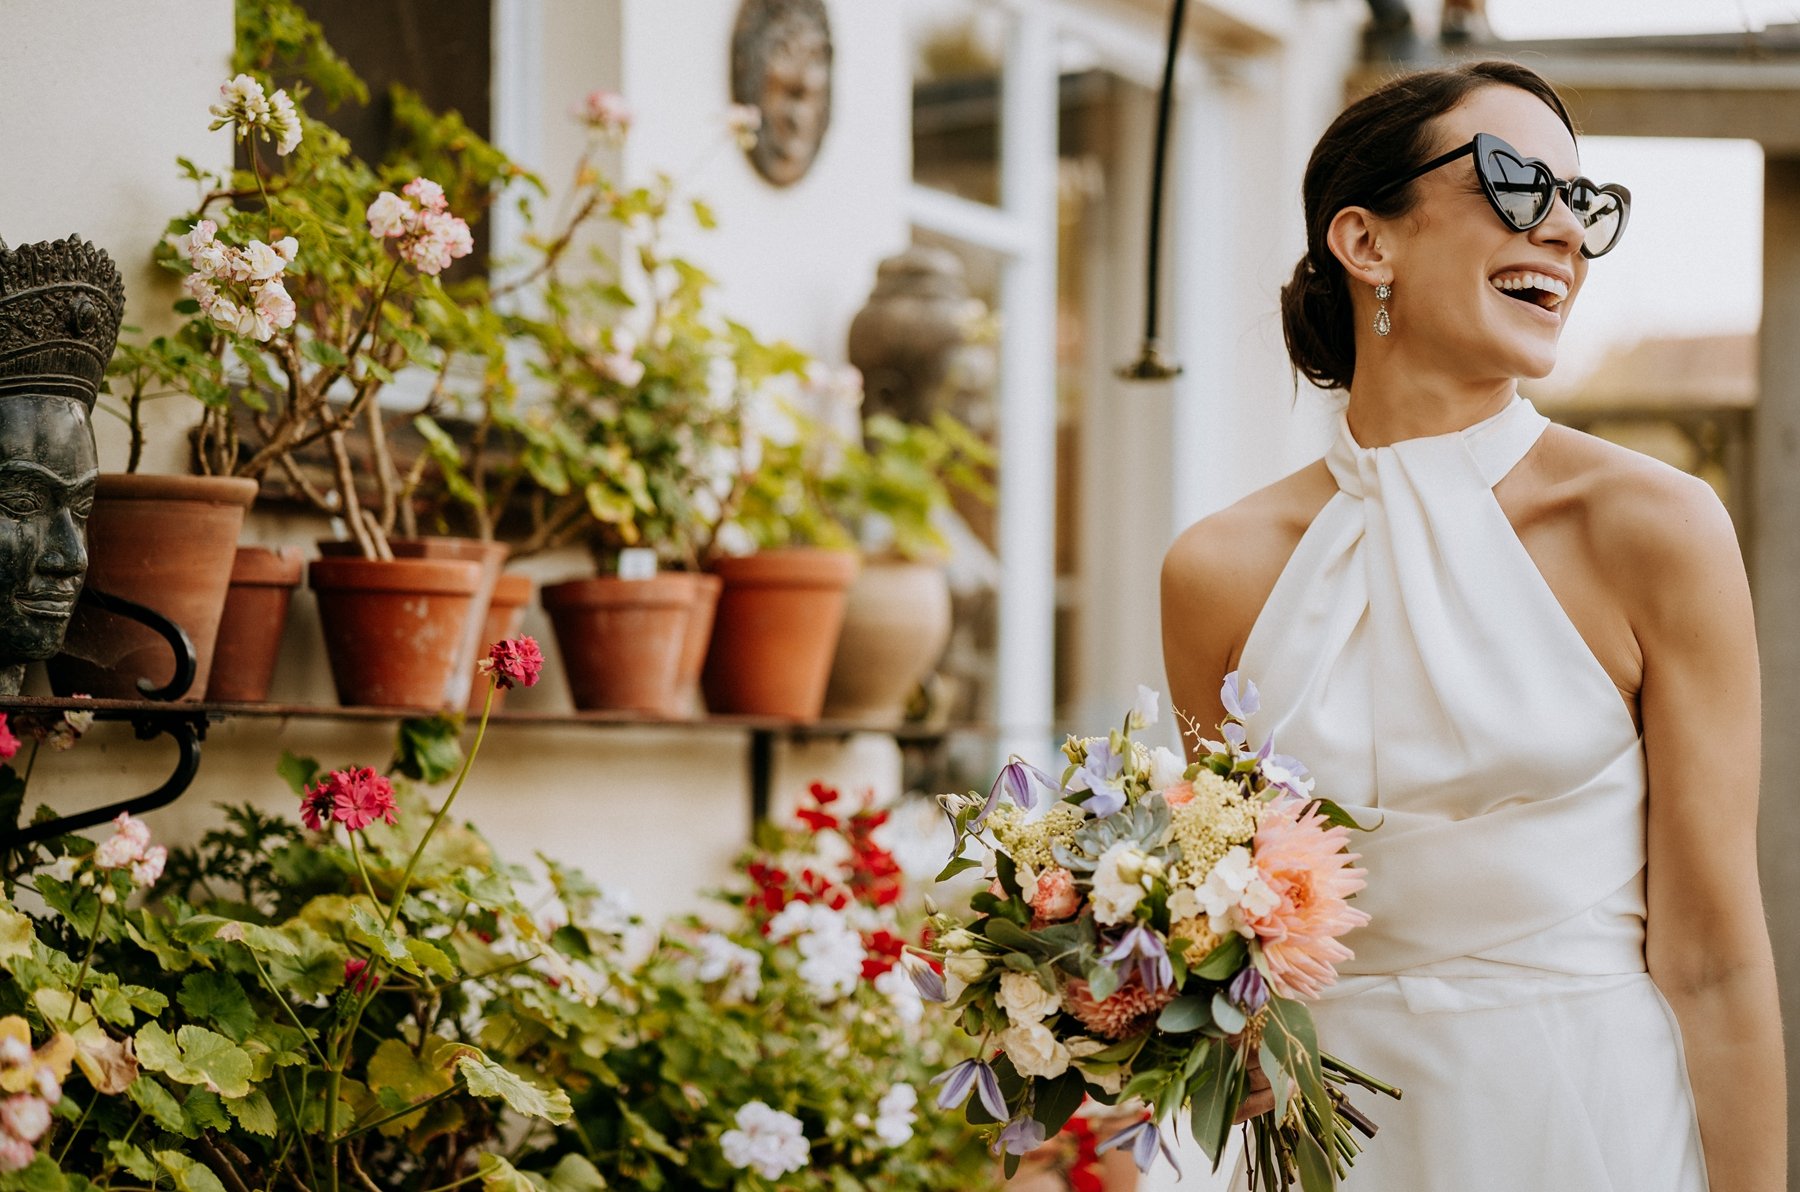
(1143,949)
(1022,1135)
(1097,774)
(1241,705)
(975,1074)
(1015,782)
(1248,991)
(1144,1139)
(927,980)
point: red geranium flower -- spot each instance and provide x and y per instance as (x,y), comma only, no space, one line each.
(358,977)
(354,798)
(9,744)
(516,662)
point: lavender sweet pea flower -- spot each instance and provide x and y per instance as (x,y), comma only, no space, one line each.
(1234,732)
(1015,782)
(1144,949)
(1289,774)
(1248,990)
(957,1082)
(1022,1135)
(1098,773)
(1241,705)
(1144,1139)
(927,980)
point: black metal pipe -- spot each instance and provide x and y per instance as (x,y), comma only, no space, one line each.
(1151,364)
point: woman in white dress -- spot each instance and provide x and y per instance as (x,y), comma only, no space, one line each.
(1529,654)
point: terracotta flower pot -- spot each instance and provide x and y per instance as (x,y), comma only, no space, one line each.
(621,641)
(706,588)
(167,542)
(776,631)
(394,628)
(490,555)
(896,625)
(505,617)
(262,584)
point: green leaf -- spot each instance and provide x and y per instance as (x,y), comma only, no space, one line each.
(315,966)
(1057,1101)
(132,1159)
(151,1097)
(364,928)
(1290,1035)
(320,352)
(704,216)
(218,998)
(298,772)
(1184,1014)
(1211,1101)
(431,955)
(189,1175)
(957,865)
(42,1175)
(1315,1171)
(410,1077)
(15,934)
(1225,960)
(1231,1020)
(497,1175)
(1103,981)
(488,1079)
(429,748)
(254,1113)
(1338,816)
(1011,936)
(195,1055)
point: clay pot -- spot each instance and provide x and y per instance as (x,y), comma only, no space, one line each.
(394,628)
(896,626)
(699,635)
(622,640)
(167,542)
(490,555)
(776,631)
(256,609)
(505,617)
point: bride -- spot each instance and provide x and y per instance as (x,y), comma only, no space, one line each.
(1528,656)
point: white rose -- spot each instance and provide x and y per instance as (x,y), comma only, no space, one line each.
(1118,887)
(1025,999)
(961,970)
(1034,1051)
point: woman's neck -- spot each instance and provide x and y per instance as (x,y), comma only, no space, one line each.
(1391,401)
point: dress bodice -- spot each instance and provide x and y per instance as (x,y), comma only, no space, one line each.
(1412,655)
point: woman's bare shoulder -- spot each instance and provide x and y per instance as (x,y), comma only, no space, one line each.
(1234,555)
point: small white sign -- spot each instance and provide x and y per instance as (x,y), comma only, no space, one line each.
(638,562)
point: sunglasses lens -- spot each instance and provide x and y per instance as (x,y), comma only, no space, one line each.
(1602,215)
(1521,191)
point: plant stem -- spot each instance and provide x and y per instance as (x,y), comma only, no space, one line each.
(269,984)
(79,1123)
(467,1179)
(412,862)
(356,852)
(81,976)
(410,1109)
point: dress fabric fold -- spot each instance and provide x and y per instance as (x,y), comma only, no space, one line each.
(1412,655)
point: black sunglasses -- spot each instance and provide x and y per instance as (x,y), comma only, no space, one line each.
(1522,190)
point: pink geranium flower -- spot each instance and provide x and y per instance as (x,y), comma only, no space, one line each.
(9,744)
(516,662)
(1303,861)
(354,798)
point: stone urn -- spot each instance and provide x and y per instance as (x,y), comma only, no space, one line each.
(912,340)
(896,626)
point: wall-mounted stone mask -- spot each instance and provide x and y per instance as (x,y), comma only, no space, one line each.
(781,65)
(60,307)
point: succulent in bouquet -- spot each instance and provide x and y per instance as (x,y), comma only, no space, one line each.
(1151,931)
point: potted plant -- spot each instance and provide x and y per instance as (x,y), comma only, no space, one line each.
(894,486)
(311,282)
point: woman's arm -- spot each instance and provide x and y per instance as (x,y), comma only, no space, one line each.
(1682,577)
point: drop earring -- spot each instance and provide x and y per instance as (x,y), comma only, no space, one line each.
(1384,323)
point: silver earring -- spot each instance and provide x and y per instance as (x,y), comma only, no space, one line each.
(1384,323)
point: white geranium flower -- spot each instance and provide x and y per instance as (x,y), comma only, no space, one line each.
(1025,999)
(766,1139)
(389,215)
(902,995)
(257,261)
(1034,1050)
(1234,892)
(63,870)
(894,1115)
(739,967)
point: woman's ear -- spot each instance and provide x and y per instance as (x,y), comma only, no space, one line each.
(1354,239)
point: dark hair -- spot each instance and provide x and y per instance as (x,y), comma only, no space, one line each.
(1380,136)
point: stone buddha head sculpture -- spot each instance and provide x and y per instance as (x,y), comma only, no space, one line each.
(781,64)
(60,307)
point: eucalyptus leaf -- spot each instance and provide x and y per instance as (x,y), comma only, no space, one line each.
(1229,1018)
(1184,1014)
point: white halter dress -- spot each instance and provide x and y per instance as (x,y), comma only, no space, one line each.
(1413,657)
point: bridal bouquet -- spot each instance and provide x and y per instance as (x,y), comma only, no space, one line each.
(1150,932)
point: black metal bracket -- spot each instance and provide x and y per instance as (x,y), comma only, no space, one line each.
(180,644)
(762,773)
(185,726)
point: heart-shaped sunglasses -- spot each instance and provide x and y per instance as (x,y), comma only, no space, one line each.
(1522,189)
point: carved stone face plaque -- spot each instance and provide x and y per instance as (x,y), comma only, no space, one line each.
(60,307)
(781,64)
(47,475)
